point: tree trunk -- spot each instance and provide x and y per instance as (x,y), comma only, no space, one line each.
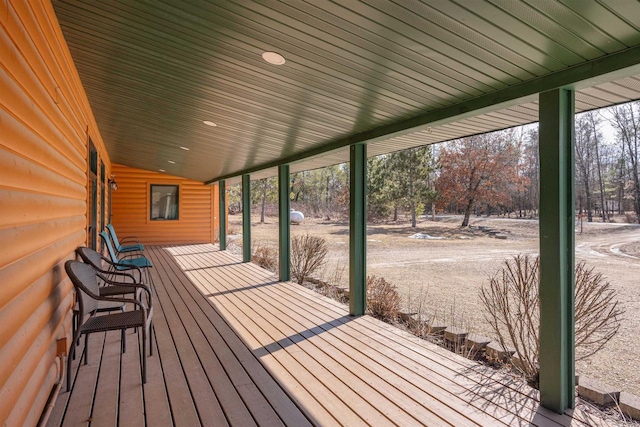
(413,214)
(395,212)
(467,213)
(264,202)
(433,212)
(598,165)
(589,202)
(326,190)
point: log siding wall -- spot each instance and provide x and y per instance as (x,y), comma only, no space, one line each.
(45,123)
(198,208)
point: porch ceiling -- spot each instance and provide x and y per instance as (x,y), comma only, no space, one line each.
(399,74)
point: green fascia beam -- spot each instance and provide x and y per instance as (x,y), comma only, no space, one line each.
(557,250)
(284,223)
(600,70)
(358,230)
(246,218)
(222,193)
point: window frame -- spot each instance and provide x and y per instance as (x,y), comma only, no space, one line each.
(150,199)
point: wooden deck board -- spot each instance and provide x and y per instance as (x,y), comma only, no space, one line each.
(218,386)
(108,388)
(244,371)
(510,391)
(234,346)
(131,408)
(325,378)
(376,370)
(365,376)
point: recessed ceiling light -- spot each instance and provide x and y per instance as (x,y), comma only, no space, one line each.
(172,162)
(209,123)
(185,148)
(161,170)
(273,58)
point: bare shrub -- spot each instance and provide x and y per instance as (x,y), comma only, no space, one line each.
(383,300)
(597,312)
(265,256)
(513,310)
(308,254)
(420,314)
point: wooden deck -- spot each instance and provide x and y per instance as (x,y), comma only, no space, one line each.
(234,346)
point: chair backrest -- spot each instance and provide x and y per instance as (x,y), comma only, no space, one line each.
(84,279)
(114,236)
(91,257)
(107,242)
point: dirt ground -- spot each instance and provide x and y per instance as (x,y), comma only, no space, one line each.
(449,267)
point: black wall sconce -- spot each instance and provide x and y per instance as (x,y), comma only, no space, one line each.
(112,183)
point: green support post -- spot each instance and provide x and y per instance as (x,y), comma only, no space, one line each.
(222,193)
(358,230)
(284,227)
(557,250)
(246,218)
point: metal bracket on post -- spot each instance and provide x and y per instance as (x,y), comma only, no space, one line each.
(246,218)
(222,193)
(284,225)
(557,250)
(358,230)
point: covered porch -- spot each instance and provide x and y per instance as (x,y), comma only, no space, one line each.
(237,346)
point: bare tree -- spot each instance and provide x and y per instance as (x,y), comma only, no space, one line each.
(626,121)
(584,162)
(480,169)
(594,122)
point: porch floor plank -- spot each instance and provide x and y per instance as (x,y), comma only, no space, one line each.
(131,408)
(235,346)
(108,389)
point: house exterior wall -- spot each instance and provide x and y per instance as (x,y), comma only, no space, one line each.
(197,211)
(45,125)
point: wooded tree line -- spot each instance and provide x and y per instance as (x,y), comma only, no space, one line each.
(494,173)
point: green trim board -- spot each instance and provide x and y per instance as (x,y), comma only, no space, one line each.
(590,73)
(246,218)
(358,230)
(222,192)
(284,226)
(557,250)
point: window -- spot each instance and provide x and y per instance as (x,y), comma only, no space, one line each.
(164,202)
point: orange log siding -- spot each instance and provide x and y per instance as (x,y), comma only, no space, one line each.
(45,124)
(198,208)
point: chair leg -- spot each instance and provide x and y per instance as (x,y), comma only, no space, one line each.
(151,338)
(74,316)
(86,348)
(123,339)
(73,351)
(144,355)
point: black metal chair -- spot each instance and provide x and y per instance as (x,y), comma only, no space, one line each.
(125,285)
(85,279)
(111,286)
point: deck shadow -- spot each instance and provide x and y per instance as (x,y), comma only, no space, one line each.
(245,288)
(302,336)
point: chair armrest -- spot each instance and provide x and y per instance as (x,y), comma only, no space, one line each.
(125,256)
(115,265)
(103,273)
(146,288)
(119,299)
(129,238)
(133,301)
